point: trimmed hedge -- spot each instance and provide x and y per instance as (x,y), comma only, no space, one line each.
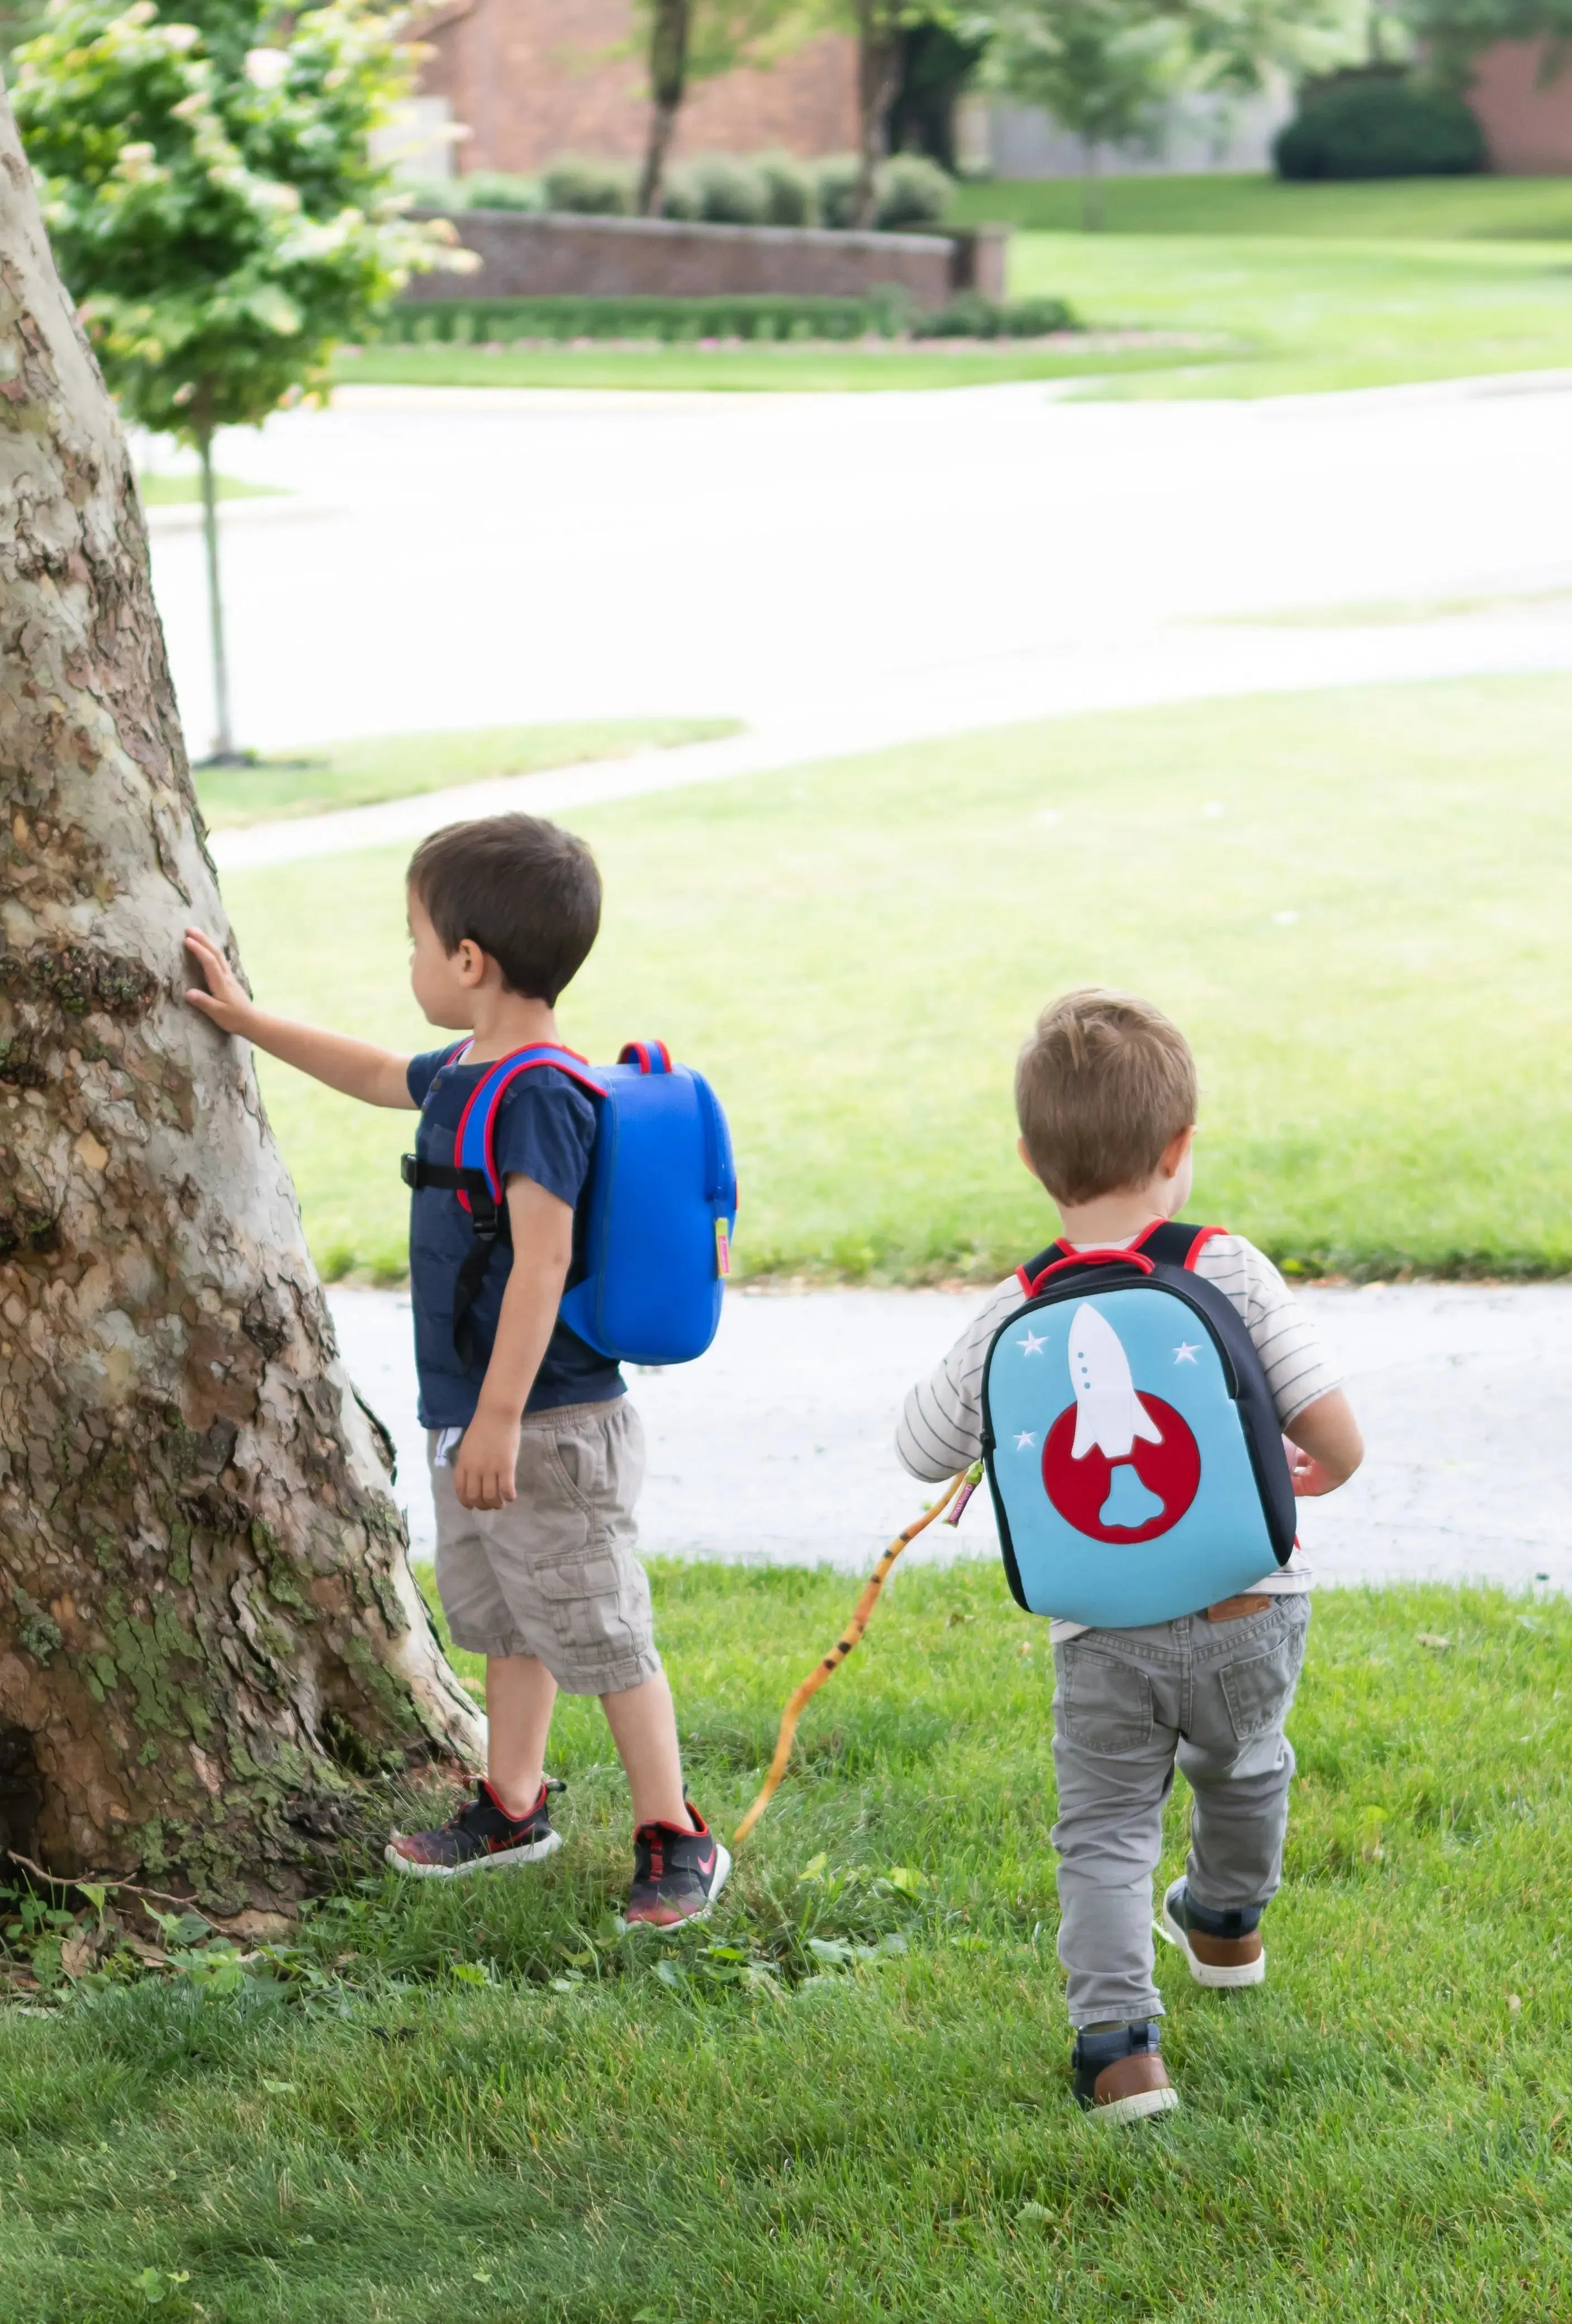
(913,195)
(415,322)
(1379,127)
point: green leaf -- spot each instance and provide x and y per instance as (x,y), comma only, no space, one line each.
(831,1950)
(814,1868)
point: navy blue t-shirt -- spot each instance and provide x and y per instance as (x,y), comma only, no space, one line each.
(545,1130)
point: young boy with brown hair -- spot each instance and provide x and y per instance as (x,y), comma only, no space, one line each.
(537,1456)
(1107,1099)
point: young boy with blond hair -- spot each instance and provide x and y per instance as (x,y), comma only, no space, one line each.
(536,1454)
(1106,1097)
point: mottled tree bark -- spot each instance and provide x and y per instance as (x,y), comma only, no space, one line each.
(878,72)
(669,25)
(209,1637)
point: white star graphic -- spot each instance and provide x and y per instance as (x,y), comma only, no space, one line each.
(1025,1441)
(1186,1351)
(1032,1345)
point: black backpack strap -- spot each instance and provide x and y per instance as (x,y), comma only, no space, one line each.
(1174,1244)
(1028,1275)
(1167,1243)
(491,1226)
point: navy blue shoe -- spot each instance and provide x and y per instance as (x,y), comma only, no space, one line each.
(677,1874)
(483,1837)
(1119,2072)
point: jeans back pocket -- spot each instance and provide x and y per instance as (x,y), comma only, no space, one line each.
(1104,1704)
(1259,1689)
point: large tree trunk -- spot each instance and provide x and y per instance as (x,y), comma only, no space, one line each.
(209,1637)
(669,25)
(878,73)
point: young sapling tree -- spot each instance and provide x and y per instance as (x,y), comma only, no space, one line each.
(215,211)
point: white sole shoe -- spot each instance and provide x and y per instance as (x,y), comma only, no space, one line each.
(1240,1973)
(1137,2107)
(505,1860)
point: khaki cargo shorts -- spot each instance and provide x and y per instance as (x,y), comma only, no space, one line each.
(555,1573)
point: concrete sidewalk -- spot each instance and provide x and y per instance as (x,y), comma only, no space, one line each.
(777,1445)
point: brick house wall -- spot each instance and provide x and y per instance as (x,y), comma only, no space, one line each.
(532,79)
(1528,127)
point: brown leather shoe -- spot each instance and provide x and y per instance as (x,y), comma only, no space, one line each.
(1119,2072)
(1238,1957)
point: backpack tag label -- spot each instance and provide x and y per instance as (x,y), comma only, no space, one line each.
(723,1249)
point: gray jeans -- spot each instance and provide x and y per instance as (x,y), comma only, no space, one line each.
(1127,1704)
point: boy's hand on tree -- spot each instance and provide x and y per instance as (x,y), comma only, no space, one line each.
(485,1470)
(223,999)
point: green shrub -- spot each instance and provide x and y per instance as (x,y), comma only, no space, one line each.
(1033,318)
(788,191)
(886,311)
(423,321)
(835,189)
(974,317)
(447,195)
(1379,127)
(495,190)
(729,192)
(590,189)
(679,197)
(912,193)
(969,317)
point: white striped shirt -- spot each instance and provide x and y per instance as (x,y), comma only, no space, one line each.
(941,1427)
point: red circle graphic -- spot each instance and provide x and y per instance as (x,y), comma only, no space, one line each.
(1079,1489)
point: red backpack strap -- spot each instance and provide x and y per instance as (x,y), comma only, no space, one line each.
(1027,1275)
(1113,1254)
(476,1138)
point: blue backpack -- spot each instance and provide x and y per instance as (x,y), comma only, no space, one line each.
(655,1220)
(1132,1446)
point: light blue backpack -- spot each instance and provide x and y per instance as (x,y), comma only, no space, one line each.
(1132,1446)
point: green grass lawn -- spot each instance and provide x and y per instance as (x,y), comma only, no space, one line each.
(1421,210)
(393,766)
(186,490)
(846,2097)
(1321,287)
(1353,901)
(1315,315)
(751,369)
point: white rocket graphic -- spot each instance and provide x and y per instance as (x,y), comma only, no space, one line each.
(1108,1412)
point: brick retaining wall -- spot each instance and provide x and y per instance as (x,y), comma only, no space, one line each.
(555,255)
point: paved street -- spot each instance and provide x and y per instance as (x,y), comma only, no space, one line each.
(777,1444)
(842,570)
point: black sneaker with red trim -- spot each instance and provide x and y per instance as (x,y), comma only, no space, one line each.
(677,1874)
(483,1837)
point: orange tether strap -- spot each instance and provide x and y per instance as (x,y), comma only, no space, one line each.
(838,1654)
